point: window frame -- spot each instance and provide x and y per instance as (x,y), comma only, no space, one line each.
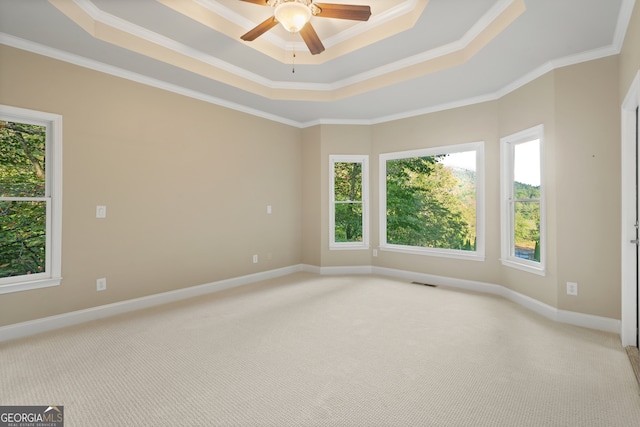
(363,159)
(479,253)
(507,217)
(52,276)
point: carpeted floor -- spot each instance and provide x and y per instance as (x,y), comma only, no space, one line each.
(308,350)
(634,359)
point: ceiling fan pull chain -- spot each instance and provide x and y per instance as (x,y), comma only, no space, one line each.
(293,59)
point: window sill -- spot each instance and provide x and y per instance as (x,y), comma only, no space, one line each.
(348,247)
(539,270)
(443,253)
(26,286)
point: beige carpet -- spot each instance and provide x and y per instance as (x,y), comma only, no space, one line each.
(634,358)
(307,350)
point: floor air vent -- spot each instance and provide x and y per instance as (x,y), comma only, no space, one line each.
(424,284)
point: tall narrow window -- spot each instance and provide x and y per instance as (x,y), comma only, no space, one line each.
(431,201)
(523,240)
(30,199)
(349,210)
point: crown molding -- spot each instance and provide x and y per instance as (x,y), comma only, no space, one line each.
(621,29)
(624,17)
(407,12)
(118,32)
(90,64)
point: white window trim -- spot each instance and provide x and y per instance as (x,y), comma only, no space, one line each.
(349,158)
(53,195)
(506,193)
(479,253)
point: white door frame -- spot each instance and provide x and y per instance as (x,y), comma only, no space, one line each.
(630,298)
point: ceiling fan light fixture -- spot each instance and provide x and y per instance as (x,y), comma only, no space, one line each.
(293,14)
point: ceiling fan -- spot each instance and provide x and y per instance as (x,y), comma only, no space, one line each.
(294,15)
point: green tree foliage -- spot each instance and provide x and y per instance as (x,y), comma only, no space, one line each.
(348,195)
(426,205)
(527,221)
(22,222)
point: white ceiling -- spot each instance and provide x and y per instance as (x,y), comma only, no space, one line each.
(411,57)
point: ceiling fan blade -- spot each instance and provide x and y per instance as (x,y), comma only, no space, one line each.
(344,11)
(260,2)
(259,30)
(311,38)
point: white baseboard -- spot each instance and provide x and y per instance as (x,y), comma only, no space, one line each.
(439,280)
(355,269)
(570,317)
(32,327)
(46,324)
(589,321)
(578,319)
(308,268)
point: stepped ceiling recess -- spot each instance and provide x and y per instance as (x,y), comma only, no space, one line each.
(411,57)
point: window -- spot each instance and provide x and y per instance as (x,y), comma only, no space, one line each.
(431,201)
(522,195)
(349,216)
(30,199)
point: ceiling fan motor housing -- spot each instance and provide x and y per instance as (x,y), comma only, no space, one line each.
(275,3)
(293,14)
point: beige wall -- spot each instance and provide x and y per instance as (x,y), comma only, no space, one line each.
(579,107)
(186,185)
(319,143)
(588,200)
(630,53)
(311,199)
(532,105)
(335,139)
(458,126)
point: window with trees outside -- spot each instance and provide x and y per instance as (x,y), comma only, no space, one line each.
(349,209)
(30,199)
(431,201)
(522,194)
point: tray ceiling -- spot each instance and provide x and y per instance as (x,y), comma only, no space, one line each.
(411,57)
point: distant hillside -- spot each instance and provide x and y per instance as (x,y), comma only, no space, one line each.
(526,191)
(467,179)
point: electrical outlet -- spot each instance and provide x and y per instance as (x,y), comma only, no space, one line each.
(572,288)
(375,252)
(255,259)
(101,284)
(101,211)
